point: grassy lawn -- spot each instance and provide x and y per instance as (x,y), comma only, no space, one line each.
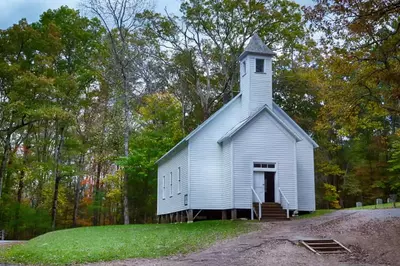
(316,213)
(367,207)
(105,243)
(371,207)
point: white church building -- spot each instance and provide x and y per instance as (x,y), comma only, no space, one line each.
(249,159)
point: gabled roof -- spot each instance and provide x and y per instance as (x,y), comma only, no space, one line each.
(292,123)
(191,134)
(256,46)
(243,123)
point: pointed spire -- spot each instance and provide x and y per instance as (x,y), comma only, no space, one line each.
(256,46)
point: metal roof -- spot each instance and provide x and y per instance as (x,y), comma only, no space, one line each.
(279,110)
(191,134)
(256,46)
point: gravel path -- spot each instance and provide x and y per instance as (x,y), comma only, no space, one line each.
(10,242)
(372,235)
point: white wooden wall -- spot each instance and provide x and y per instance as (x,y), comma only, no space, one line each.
(176,202)
(208,188)
(305,176)
(227,173)
(263,140)
(256,88)
(305,166)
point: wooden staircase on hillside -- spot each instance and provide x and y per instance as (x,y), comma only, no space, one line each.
(271,211)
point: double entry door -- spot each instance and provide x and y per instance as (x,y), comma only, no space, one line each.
(264,185)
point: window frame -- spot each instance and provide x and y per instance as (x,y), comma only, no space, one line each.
(179,180)
(170,184)
(264,165)
(244,68)
(263,65)
(163,189)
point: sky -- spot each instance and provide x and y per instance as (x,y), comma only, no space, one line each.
(13,10)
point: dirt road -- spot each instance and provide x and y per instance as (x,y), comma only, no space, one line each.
(373,236)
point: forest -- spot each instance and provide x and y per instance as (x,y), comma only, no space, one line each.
(91,98)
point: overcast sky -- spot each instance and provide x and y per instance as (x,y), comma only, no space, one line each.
(14,10)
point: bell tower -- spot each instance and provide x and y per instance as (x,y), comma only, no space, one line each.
(256,76)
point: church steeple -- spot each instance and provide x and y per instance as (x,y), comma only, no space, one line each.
(256,76)
(256,46)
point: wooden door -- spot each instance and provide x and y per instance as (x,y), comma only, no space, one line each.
(259,186)
(269,186)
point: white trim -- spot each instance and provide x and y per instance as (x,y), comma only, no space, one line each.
(255,65)
(237,128)
(244,64)
(277,196)
(179,180)
(189,194)
(186,139)
(276,108)
(270,170)
(170,185)
(232,176)
(163,189)
(296,203)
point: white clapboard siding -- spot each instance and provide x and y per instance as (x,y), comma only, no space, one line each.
(207,186)
(227,173)
(305,165)
(176,202)
(263,139)
(256,88)
(260,85)
(305,176)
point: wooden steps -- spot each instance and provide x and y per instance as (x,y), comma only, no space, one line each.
(271,211)
(324,246)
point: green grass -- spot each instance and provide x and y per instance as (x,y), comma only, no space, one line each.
(315,213)
(105,243)
(371,207)
(327,211)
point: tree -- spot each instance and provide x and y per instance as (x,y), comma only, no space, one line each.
(202,46)
(79,39)
(22,78)
(159,117)
(123,26)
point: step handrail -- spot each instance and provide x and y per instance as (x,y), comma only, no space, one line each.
(287,202)
(259,204)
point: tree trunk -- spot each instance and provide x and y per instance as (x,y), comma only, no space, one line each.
(77,189)
(126,151)
(96,214)
(57,180)
(20,190)
(4,160)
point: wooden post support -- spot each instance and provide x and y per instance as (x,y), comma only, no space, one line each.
(224,215)
(190,216)
(234,214)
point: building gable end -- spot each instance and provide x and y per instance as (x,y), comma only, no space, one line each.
(243,124)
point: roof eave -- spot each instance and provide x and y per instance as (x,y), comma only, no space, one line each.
(184,140)
(242,55)
(315,145)
(269,110)
(191,134)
